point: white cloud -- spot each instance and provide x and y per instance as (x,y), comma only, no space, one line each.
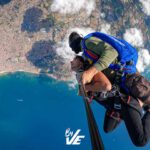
(63,48)
(146,6)
(144,60)
(134,36)
(106,28)
(72,6)
(64,51)
(103,15)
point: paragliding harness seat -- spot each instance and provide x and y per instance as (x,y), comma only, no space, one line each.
(118,96)
(115,94)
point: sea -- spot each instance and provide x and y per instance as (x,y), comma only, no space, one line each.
(36,111)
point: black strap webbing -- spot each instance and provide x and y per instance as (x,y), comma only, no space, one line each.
(96,140)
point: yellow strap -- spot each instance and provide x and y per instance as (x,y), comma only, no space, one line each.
(90,61)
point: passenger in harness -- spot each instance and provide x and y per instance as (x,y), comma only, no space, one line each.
(128,109)
(118,57)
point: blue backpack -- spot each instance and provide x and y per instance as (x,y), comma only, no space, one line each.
(127,57)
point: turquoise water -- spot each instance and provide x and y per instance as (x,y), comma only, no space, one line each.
(36,111)
(3,2)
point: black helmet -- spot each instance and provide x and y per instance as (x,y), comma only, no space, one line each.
(75,42)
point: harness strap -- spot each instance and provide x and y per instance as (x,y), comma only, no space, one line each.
(91,99)
(89,54)
(128,102)
(112,115)
(129,99)
(93,55)
(96,140)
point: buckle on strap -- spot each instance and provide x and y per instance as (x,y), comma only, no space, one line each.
(117,106)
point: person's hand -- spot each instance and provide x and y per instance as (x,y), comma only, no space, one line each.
(88,75)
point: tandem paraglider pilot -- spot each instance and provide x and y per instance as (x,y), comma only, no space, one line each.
(108,65)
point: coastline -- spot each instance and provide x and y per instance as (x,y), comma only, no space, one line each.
(33,39)
(3,73)
(9,72)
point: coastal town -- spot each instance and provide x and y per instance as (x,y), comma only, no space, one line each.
(32,33)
